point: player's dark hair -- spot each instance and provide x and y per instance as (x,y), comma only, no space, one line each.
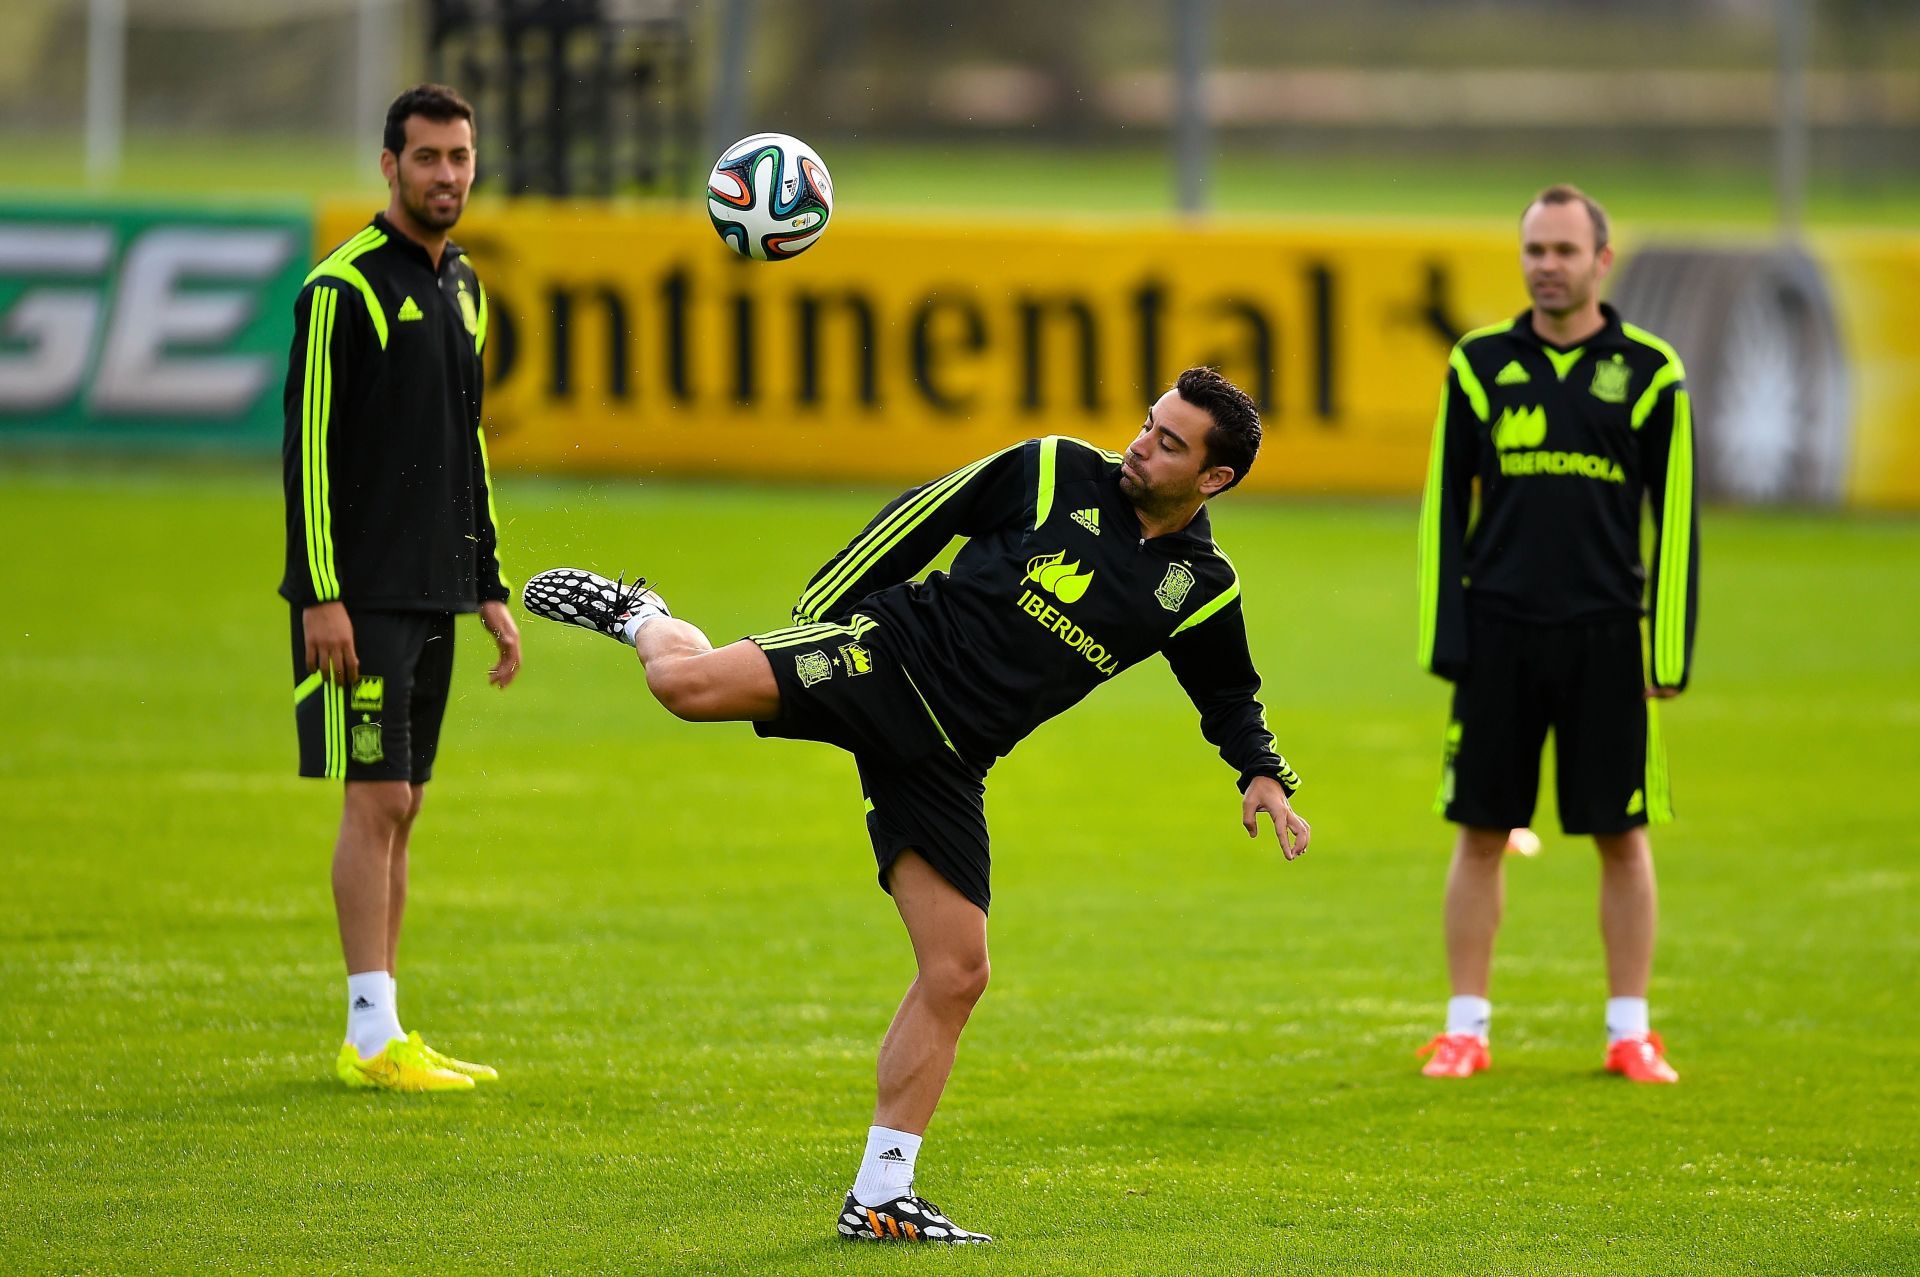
(434,102)
(1234,440)
(1568,193)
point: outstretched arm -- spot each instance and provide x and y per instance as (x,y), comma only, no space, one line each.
(913,528)
(1214,667)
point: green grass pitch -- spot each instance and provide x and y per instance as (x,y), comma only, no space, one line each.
(1194,1059)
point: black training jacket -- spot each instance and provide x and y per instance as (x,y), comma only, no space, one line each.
(389,500)
(1565,445)
(1054,593)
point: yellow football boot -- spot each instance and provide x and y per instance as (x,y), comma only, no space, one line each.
(440,1060)
(402,1065)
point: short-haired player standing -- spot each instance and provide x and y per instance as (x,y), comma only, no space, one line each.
(1079,564)
(390,532)
(1566,419)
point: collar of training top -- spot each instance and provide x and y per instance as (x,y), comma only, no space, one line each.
(1609,331)
(400,240)
(1199,529)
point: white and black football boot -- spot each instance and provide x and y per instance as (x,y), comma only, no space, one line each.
(574,597)
(904,1219)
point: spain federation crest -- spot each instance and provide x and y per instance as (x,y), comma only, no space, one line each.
(812,667)
(367,745)
(1610,378)
(1173,587)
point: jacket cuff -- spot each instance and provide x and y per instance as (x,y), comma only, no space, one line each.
(1288,781)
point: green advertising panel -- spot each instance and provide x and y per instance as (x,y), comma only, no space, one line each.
(146,325)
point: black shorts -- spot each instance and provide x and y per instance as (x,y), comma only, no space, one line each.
(839,684)
(387,725)
(1587,683)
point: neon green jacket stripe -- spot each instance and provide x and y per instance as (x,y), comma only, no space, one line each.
(480,328)
(1469,382)
(339,265)
(1429,541)
(1643,406)
(1043,494)
(325,437)
(889,533)
(309,481)
(883,538)
(1212,605)
(1676,531)
(317,397)
(493,514)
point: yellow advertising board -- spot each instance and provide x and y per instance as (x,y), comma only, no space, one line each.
(632,340)
(635,341)
(1875,279)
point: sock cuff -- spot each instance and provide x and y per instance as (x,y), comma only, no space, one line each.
(906,1142)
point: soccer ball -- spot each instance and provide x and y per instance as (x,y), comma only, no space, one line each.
(770,196)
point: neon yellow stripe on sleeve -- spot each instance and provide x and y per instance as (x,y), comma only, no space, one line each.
(1676,533)
(486,474)
(1214,604)
(323,427)
(864,553)
(316,409)
(1469,382)
(1043,493)
(339,265)
(1429,539)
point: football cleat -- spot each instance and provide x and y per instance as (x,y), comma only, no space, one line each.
(1456,1055)
(401,1065)
(440,1060)
(573,597)
(1642,1058)
(904,1219)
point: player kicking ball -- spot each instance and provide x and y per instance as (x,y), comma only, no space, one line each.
(1079,564)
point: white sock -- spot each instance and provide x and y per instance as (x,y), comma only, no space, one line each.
(393,991)
(631,627)
(1626,1018)
(887,1171)
(1469,1015)
(371,1022)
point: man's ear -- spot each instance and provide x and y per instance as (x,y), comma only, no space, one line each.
(389,165)
(1214,480)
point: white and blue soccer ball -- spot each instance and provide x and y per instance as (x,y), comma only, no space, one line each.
(770,197)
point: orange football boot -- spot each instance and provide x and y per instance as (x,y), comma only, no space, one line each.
(1642,1058)
(1456,1055)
